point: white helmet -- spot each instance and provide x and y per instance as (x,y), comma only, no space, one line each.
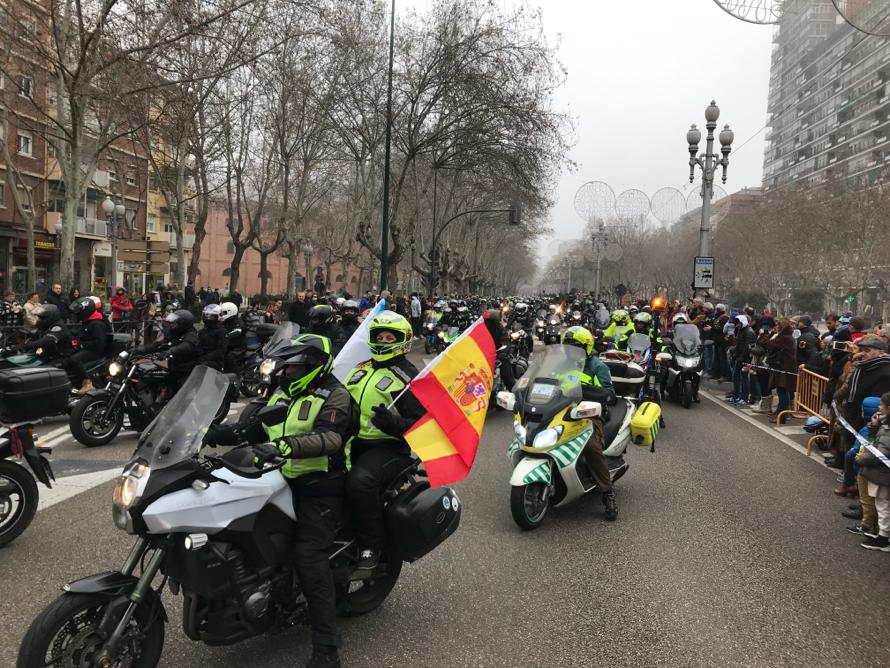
(211,311)
(227,310)
(679,319)
(340,301)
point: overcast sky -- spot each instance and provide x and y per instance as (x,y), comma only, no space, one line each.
(639,73)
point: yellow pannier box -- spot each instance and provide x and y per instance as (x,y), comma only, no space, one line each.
(644,424)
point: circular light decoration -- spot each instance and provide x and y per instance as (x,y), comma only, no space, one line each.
(668,204)
(720,203)
(763,12)
(632,207)
(869,16)
(594,201)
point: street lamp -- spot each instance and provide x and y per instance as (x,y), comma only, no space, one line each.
(114,213)
(599,239)
(307,255)
(708,162)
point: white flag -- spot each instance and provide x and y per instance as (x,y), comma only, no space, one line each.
(356,350)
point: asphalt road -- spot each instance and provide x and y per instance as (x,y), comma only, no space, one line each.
(729,551)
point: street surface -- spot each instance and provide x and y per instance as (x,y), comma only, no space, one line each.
(729,551)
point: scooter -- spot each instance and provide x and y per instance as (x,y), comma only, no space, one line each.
(219,531)
(682,365)
(551,426)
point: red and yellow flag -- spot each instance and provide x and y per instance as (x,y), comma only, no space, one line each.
(455,389)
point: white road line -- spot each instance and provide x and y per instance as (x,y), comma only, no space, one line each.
(55,441)
(65,488)
(762,427)
(53,434)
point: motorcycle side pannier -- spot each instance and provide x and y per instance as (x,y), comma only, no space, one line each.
(644,424)
(421,519)
(31,394)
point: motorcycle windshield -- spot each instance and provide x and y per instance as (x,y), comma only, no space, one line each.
(638,343)
(601,319)
(178,430)
(554,374)
(687,339)
(286,332)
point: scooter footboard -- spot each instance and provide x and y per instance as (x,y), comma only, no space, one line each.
(532,469)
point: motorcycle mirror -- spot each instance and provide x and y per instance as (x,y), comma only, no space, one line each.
(272,415)
(586,409)
(506,400)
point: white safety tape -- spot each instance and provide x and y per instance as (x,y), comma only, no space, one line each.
(859,437)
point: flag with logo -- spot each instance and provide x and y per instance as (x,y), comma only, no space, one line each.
(356,350)
(455,389)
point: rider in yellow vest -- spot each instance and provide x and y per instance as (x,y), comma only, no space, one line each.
(379,451)
(312,439)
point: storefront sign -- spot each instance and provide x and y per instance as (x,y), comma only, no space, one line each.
(48,245)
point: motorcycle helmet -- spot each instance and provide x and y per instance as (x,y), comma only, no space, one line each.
(395,324)
(227,310)
(620,317)
(579,337)
(632,310)
(47,317)
(320,315)
(340,301)
(642,322)
(178,322)
(679,319)
(83,308)
(211,314)
(521,309)
(308,359)
(492,314)
(349,309)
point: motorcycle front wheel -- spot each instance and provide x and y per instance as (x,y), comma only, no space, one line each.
(686,394)
(529,504)
(91,424)
(18,500)
(66,634)
(359,597)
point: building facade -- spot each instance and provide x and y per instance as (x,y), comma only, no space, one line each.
(829,100)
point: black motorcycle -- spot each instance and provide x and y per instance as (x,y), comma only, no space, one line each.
(258,339)
(682,365)
(138,388)
(219,531)
(552,333)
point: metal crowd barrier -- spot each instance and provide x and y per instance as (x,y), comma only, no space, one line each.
(808,395)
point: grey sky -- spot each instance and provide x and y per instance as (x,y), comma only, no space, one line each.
(639,72)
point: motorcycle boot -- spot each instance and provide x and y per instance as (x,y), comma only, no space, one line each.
(324,656)
(610,505)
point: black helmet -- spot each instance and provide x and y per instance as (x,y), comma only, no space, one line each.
(178,322)
(49,316)
(82,308)
(305,362)
(320,316)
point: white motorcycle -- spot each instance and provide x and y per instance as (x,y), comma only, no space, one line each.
(220,531)
(551,426)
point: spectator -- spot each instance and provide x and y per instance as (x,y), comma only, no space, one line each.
(10,313)
(831,322)
(870,378)
(202,295)
(121,306)
(73,294)
(31,311)
(808,343)
(223,292)
(212,297)
(782,359)
(189,295)
(57,299)
(298,311)
(744,340)
(877,475)
(236,298)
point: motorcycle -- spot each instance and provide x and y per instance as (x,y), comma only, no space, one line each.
(284,335)
(682,365)
(640,346)
(220,532)
(446,337)
(19,494)
(430,335)
(249,377)
(519,341)
(137,389)
(552,333)
(551,426)
(541,324)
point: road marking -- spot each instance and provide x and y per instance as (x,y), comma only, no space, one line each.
(65,488)
(762,427)
(791,430)
(53,434)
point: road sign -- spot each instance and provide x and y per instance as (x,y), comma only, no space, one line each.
(131,245)
(703,273)
(131,255)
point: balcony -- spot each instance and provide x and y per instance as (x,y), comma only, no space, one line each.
(188,240)
(90,227)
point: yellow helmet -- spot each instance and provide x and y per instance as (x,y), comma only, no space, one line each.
(399,326)
(580,337)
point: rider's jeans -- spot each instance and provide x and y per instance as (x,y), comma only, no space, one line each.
(596,460)
(740,381)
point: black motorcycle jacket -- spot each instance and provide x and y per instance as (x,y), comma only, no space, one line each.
(213,341)
(94,336)
(182,352)
(235,337)
(55,342)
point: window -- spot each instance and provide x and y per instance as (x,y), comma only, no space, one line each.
(2,76)
(131,178)
(51,95)
(2,195)
(230,248)
(151,223)
(26,30)
(112,175)
(51,150)
(25,86)
(23,143)
(25,197)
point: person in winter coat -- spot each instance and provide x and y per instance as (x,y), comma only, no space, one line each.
(808,343)
(213,338)
(870,378)
(744,340)
(121,306)
(57,299)
(781,357)
(91,343)
(876,472)
(31,312)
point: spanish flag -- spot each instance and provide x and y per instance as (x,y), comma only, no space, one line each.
(455,389)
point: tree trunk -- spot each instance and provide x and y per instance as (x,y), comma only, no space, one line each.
(293,257)
(235,268)
(195,260)
(264,267)
(31,280)
(66,253)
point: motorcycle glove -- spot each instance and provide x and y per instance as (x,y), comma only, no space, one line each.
(264,453)
(221,434)
(389,422)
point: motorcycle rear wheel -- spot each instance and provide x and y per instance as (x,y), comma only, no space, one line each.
(529,504)
(65,633)
(83,423)
(18,500)
(359,597)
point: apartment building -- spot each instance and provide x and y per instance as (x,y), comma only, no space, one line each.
(829,100)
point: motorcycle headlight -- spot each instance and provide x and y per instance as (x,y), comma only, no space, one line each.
(540,323)
(267,367)
(554,322)
(519,430)
(127,491)
(441,335)
(431,326)
(548,437)
(688,362)
(514,335)
(115,369)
